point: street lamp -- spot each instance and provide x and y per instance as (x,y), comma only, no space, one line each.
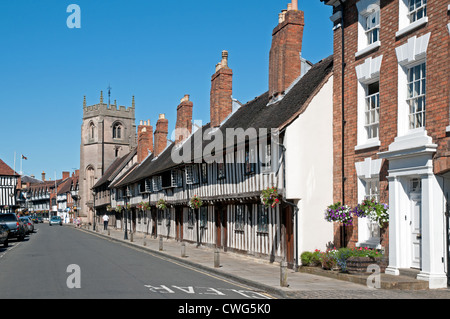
(93,193)
(125,236)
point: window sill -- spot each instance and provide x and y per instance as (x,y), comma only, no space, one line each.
(368,144)
(411,27)
(369,48)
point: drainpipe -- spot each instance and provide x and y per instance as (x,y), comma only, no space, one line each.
(342,107)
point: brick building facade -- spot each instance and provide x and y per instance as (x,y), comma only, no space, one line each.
(391,127)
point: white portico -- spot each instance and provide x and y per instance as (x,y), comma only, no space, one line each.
(416,208)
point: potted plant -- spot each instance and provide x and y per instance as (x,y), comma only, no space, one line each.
(195,202)
(362,257)
(270,197)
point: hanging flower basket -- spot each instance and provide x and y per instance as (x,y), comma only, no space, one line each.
(195,202)
(140,206)
(119,208)
(339,213)
(161,204)
(128,206)
(270,197)
(377,212)
(146,206)
(108,208)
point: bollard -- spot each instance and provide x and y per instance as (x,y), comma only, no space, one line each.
(283,273)
(183,249)
(216,258)
(131,236)
(145,242)
(109,233)
(160,243)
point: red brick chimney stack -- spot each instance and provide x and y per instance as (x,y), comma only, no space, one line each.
(65,175)
(221,90)
(162,129)
(183,127)
(145,140)
(284,58)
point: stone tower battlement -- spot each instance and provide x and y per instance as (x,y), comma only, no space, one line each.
(113,109)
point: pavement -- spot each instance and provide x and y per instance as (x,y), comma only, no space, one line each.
(307,283)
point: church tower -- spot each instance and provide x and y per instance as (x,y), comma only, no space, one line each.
(108,131)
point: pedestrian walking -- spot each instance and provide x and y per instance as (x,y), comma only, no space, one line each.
(105,221)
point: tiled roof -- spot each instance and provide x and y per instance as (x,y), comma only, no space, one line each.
(254,114)
(5,170)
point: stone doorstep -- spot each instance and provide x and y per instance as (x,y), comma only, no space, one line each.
(387,281)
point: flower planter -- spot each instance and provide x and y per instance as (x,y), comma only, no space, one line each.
(360,264)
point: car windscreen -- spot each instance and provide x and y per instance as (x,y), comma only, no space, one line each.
(7,218)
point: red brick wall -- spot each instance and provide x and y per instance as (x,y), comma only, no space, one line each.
(437,97)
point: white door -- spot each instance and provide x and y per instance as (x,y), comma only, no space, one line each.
(416,230)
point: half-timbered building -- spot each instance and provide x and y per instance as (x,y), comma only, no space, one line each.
(9,180)
(281,141)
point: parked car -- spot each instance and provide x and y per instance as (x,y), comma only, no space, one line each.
(15,225)
(55,220)
(4,234)
(40,219)
(28,224)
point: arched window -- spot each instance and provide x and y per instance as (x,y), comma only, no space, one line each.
(90,177)
(91,132)
(117,131)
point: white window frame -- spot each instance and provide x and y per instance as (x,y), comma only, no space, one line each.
(418,7)
(404,22)
(367,73)
(372,113)
(367,8)
(410,54)
(417,98)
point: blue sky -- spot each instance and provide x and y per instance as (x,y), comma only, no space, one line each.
(157,51)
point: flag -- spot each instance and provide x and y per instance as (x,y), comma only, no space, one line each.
(23,157)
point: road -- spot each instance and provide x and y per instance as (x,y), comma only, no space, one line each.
(65,263)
